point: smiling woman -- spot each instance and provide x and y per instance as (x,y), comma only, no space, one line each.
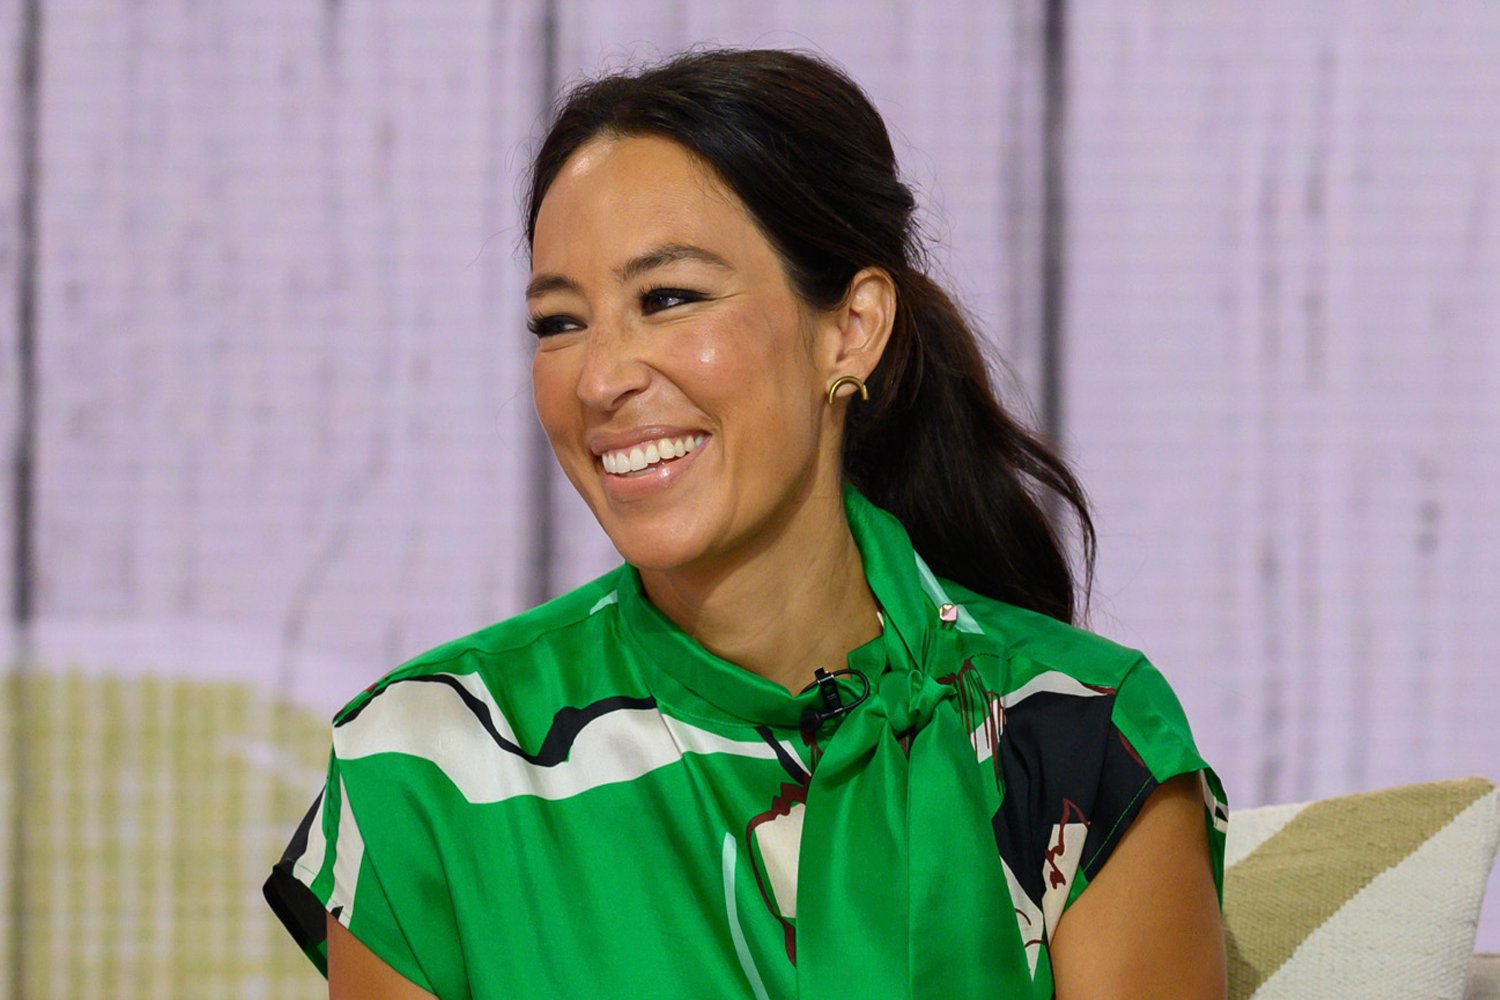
(830,729)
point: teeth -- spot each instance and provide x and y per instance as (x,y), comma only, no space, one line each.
(651,453)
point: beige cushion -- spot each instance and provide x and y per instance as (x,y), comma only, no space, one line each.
(1370,896)
(1484,978)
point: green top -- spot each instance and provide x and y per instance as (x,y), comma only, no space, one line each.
(583,801)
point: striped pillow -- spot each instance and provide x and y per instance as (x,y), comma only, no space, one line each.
(1373,895)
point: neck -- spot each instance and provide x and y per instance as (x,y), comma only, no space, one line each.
(784,607)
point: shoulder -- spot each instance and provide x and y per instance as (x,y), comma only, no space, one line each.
(511,651)
(1048,671)
(1028,643)
(494,715)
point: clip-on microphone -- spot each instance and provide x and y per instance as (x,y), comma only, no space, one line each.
(833,703)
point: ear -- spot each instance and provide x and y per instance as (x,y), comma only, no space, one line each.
(853,335)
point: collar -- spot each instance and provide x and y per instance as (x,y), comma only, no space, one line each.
(915,608)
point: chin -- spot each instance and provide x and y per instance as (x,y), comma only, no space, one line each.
(655,541)
(654,554)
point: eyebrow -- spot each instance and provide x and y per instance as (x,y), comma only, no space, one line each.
(661,256)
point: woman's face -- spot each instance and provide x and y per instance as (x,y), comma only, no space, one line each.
(663,315)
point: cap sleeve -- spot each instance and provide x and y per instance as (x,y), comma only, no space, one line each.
(326,869)
(1150,721)
(1078,762)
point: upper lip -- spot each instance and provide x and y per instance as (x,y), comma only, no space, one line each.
(603,440)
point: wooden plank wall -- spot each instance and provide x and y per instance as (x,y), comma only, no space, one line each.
(17,110)
(285,380)
(1283,335)
(1284,341)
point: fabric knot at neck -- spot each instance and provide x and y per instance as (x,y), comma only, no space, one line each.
(899,890)
(909,699)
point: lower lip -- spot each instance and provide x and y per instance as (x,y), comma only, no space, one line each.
(662,477)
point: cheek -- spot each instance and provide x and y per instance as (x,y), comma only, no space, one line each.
(552,382)
(760,384)
(755,357)
(735,379)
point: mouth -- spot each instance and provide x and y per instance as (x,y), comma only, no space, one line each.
(644,458)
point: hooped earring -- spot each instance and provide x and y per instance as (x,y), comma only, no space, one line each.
(842,380)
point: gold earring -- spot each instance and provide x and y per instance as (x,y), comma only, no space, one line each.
(851,380)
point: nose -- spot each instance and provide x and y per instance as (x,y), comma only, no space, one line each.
(613,370)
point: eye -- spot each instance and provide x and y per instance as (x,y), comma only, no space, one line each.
(546,326)
(656,299)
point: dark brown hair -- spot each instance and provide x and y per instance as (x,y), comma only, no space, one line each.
(808,154)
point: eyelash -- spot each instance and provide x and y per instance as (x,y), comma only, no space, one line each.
(544,326)
(685,295)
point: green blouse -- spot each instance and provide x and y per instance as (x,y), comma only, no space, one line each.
(583,801)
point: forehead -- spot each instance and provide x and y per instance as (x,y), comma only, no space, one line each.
(616,196)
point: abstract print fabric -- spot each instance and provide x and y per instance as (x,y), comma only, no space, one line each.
(583,800)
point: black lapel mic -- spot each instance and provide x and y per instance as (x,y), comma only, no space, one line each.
(833,702)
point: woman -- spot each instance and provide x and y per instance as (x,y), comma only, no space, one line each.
(776,753)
